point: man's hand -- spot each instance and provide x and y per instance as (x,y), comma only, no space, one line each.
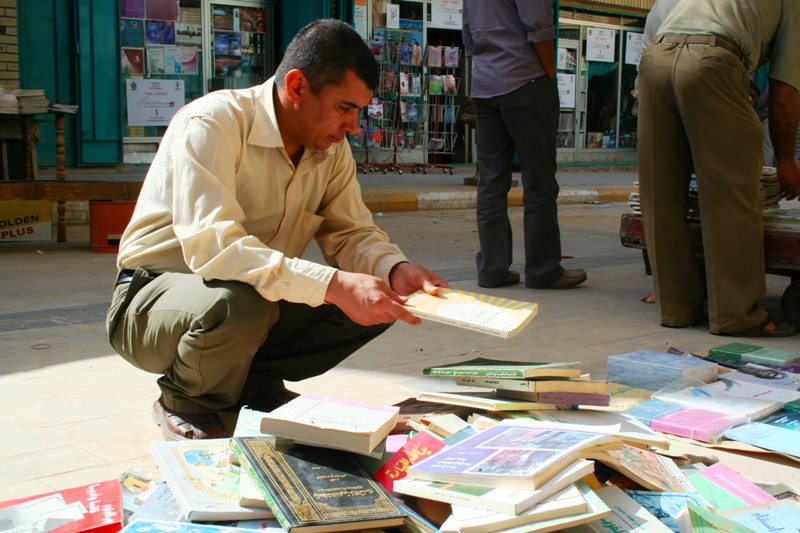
(367,300)
(789,179)
(407,278)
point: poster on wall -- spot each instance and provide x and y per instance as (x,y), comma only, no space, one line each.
(360,18)
(162,9)
(393,16)
(600,44)
(446,14)
(155,60)
(188,60)
(160,31)
(131,8)
(153,102)
(132,61)
(131,33)
(566,90)
(634,46)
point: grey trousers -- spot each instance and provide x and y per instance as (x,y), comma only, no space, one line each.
(525,121)
(696,113)
(211,340)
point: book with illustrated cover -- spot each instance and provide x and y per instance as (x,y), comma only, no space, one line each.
(694,519)
(92,508)
(779,432)
(203,480)
(666,506)
(312,489)
(626,514)
(649,469)
(703,425)
(513,454)
(332,422)
(537,385)
(567,502)
(419,446)
(493,315)
(504,369)
(503,501)
(765,375)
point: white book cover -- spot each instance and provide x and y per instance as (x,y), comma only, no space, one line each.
(626,514)
(202,479)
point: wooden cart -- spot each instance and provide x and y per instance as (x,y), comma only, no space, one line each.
(781,254)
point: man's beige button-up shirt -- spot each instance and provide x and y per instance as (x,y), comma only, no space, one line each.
(223,200)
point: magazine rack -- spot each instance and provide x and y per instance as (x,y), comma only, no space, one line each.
(442,86)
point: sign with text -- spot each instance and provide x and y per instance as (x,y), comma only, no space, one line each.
(26,220)
(566,90)
(601,44)
(153,102)
(634,46)
(446,14)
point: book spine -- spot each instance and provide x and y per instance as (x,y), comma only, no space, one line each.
(575,398)
(247,466)
(494,382)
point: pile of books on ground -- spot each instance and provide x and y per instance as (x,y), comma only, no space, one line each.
(511,447)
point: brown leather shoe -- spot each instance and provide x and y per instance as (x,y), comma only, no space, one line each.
(187,426)
(569,279)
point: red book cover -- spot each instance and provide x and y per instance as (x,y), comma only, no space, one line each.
(417,448)
(95,508)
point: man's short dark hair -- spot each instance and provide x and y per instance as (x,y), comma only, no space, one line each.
(324,50)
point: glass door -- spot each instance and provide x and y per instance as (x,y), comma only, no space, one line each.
(242,49)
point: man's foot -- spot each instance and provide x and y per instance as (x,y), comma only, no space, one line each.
(268,398)
(187,426)
(511,278)
(569,279)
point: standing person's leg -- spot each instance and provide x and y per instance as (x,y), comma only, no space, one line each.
(665,168)
(531,115)
(726,137)
(495,156)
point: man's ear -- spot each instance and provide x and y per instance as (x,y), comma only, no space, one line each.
(296,84)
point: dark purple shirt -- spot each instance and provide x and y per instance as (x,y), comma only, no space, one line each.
(499,36)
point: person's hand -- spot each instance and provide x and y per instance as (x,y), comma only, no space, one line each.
(367,300)
(407,278)
(789,179)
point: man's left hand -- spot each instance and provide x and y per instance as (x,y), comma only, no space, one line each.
(407,278)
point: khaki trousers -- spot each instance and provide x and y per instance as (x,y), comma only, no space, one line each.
(696,114)
(211,340)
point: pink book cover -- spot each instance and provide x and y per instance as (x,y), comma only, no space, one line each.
(725,477)
(698,424)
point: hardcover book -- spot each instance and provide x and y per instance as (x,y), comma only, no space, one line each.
(505,369)
(567,502)
(514,454)
(506,386)
(332,423)
(492,315)
(724,488)
(313,489)
(779,432)
(203,480)
(94,508)
(503,501)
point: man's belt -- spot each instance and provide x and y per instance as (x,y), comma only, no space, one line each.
(124,276)
(711,40)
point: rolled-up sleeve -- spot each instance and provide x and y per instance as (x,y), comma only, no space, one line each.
(537,16)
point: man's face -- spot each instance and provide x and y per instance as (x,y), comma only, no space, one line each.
(326,118)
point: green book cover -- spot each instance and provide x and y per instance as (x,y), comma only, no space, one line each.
(504,369)
(694,519)
(750,353)
(314,489)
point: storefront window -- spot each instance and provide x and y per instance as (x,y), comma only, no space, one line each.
(174,51)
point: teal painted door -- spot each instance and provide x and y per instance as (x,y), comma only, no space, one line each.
(70,49)
(295,15)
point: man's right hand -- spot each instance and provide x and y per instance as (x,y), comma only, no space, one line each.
(367,300)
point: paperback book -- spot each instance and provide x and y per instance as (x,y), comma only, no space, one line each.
(505,369)
(539,385)
(765,375)
(647,468)
(739,353)
(332,423)
(203,480)
(418,447)
(627,514)
(486,401)
(654,370)
(497,500)
(724,488)
(779,432)
(313,489)
(666,506)
(514,454)
(492,315)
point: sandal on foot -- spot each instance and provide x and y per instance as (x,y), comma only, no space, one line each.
(768,328)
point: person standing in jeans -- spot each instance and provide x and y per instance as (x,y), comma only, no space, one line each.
(516,103)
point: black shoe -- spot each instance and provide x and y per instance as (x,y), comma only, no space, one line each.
(567,280)
(268,398)
(511,278)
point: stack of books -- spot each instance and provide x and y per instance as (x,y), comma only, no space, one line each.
(516,385)
(31,101)
(769,187)
(8,103)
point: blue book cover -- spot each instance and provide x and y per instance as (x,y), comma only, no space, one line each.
(666,505)
(647,411)
(779,432)
(654,370)
(165,526)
